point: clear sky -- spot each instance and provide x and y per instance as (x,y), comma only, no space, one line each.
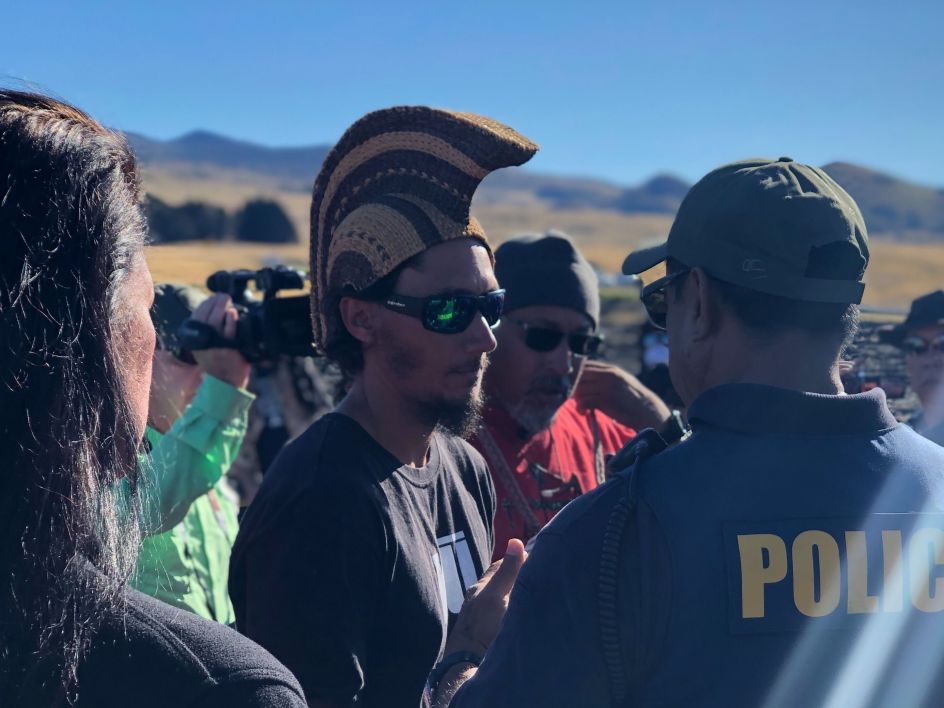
(618,90)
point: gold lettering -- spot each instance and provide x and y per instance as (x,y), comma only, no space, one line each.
(893,585)
(804,579)
(857,557)
(755,574)
(925,553)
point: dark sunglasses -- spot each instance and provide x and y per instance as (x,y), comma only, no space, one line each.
(919,345)
(544,339)
(450,314)
(653,297)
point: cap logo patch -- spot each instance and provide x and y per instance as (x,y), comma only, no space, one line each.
(755,268)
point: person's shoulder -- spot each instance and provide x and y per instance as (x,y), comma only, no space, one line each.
(168,656)
(570,417)
(460,450)
(327,459)
(320,478)
(625,469)
(583,424)
(918,451)
(585,515)
(459,455)
(317,450)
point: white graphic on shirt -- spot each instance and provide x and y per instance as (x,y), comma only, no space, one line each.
(455,569)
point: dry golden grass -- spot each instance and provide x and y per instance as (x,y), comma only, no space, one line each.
(900,272)
(191,263)
(897,274)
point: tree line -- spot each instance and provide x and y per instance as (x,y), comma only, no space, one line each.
(260,220)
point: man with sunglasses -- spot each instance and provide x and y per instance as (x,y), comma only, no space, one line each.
(354,560)
(921,338)
(544,435)
(197,418)
(788,552)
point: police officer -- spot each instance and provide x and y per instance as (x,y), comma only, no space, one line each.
(789,552)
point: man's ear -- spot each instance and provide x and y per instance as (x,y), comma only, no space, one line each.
(359,317)
(705,307)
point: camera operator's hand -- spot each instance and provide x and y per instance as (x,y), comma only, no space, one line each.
(620,395)
(227,365)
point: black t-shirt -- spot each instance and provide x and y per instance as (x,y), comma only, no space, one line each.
(348,565)
(151,655)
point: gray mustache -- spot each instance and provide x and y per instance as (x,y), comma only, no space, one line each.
(550,384)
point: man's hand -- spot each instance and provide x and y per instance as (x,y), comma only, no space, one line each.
(478,622)
(485,604)
(227,365)
(620,395)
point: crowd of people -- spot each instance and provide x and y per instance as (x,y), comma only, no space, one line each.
(489,515)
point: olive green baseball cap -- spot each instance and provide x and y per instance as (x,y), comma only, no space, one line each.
(775,226)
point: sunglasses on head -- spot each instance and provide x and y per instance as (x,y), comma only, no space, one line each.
(653,297)
(449,314)
(545,339)
(920,345)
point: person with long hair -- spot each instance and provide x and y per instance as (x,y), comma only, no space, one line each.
(76,342)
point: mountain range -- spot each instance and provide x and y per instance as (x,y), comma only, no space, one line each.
(892,206)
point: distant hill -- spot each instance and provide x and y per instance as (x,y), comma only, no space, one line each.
(295,167)
(891,206)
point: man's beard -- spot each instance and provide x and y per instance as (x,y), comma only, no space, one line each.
(461,418)
(535,415)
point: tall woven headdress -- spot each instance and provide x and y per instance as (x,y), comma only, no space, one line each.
(398,181)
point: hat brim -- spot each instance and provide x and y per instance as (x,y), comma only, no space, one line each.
(892,335)
(645,258)
(896,335)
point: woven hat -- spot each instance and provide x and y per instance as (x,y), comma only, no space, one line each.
(398,181)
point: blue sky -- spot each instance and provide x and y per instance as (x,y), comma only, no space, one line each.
(618,90)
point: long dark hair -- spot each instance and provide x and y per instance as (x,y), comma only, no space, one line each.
(71,231)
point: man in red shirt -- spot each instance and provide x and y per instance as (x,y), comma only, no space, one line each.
(545,437)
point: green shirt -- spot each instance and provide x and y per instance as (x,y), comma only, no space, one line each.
(188,565)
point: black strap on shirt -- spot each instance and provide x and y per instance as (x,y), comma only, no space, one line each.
(643,446)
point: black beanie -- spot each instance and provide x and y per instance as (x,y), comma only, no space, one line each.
(547,270)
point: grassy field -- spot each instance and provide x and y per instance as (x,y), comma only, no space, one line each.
(898,272)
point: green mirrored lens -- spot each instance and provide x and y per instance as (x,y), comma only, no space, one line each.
(448,314)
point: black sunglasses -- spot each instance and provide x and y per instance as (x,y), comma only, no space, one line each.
(544,339)
(920,345)
(449,314)
(653,297)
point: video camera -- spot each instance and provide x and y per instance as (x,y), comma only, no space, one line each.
(264,330)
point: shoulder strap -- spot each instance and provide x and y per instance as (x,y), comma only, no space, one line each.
(599,459)
(640,448)
(499,465)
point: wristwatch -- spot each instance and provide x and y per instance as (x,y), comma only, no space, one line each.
(675,428)
(440,670)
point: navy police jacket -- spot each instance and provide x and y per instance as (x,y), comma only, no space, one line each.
(789,553)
